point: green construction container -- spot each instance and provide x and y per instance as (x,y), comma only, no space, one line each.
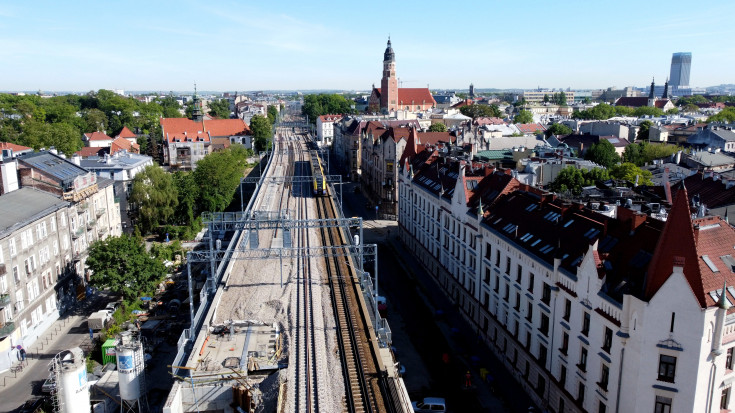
(108,351)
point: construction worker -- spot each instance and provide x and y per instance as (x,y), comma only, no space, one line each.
(468,379)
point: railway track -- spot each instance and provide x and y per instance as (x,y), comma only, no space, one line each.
(362,392)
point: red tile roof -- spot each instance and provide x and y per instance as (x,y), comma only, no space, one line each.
(183,129)
(531,127)
(89,151)
(97,136)
(14,147)
(412,96)
(660,103)
(120,144)
(126,133)
(330,118)
(488,121)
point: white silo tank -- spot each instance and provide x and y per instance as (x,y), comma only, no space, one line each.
(72,387)
(130,367)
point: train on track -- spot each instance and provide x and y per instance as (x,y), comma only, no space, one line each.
(317,173)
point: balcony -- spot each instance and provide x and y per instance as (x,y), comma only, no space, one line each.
(99,212)
(91,224)
(6,329)
(78,233)
(82,207)
(4,300)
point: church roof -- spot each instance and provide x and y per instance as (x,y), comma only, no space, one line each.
(632,101)
(412,95)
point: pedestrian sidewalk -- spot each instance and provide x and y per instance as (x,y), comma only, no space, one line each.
(40,351)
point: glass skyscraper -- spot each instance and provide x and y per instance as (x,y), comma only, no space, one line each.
(681,64)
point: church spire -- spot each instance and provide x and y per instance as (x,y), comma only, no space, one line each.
(666,89)
(653,85)
(196,114)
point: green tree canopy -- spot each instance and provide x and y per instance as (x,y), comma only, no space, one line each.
(219,108)
(572,180)
(63,136)
(692,100)
(726,115)
(602,153)
(188,195)
(647,111)
(628,171)
(643,130)
(260,127)
(523,116)
(559,129)
(599,112)
(481,111)
(690,108)
(217,175)
(325,104)
(123,265)
(153,198)
(559,98)
(438,127)
(272,114)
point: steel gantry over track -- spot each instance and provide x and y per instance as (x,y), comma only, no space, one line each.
(252,223)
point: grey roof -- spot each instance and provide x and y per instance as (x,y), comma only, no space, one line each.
(127,161)
(25,205)
(104,182)
(712,159)
(53,165)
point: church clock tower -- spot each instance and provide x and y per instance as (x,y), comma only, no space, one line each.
(389,83)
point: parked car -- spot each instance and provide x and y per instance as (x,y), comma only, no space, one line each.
(113,306)
(32,406)
(430,405)
(49,384)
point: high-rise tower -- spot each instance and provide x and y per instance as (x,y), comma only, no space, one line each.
(389,83)
(681,64)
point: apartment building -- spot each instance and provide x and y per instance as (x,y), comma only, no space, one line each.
(590,313)
(325,129)
(36,275)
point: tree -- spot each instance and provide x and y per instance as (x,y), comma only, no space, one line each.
(481,111)
(623,111)
(672,111)
(559,129)
(153,198)
(123,265)
(260,127)
(571,179)
(95,120)
(272,114)
(692,100)
(559,99)
(170,106)
(546,98)
(644,129)
(523,116)
(599,112)
(219,108)
(217,176)
(142,141)
(586,100)
(647,111)
(628,172)
(726,115)
(325,104)
(188,196)
(62,136)
(690,108)
(602,153)
(438,127)
(633,154)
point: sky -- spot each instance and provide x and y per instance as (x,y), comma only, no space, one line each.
(307,45)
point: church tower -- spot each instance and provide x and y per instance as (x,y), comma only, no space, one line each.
(389,83)
(652,95)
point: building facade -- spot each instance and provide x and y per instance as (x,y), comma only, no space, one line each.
(325,129)
(590,312)
(37,280)
(681,66)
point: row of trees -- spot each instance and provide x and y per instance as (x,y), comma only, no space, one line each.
(604,111)
(59,121)
(556,99)
(481,111)
(170,203)
(325,104)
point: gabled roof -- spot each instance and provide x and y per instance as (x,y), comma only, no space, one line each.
(411,96)
(632,101)
(121,144)
(14,147)
(488,121)
(183,129)
(530,127)
(97,136)
(52,165)
(661,103)
(712,193)
(90,151)
(126,133)
(330,118)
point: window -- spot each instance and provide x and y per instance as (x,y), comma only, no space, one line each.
(564,343)
(507,266)
(3,284)
(1,255)
(728,361)
(63,220)
(519,273)
(725,399)
(607,340)
(497,284)
(486,279)
(567,309)
(16,274)
(542,353)
(544,324)
(586,324)
(580,393)
(507,293)
(528,340)
(529,311)
(530,282)
(561,404)
(19,304)
(663,405)
(488,250)
(563,376)
(583,359)
(601,407)
(546,294)
(497,259)
(666,368)
(11,247)
(53,224)
(604,377)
